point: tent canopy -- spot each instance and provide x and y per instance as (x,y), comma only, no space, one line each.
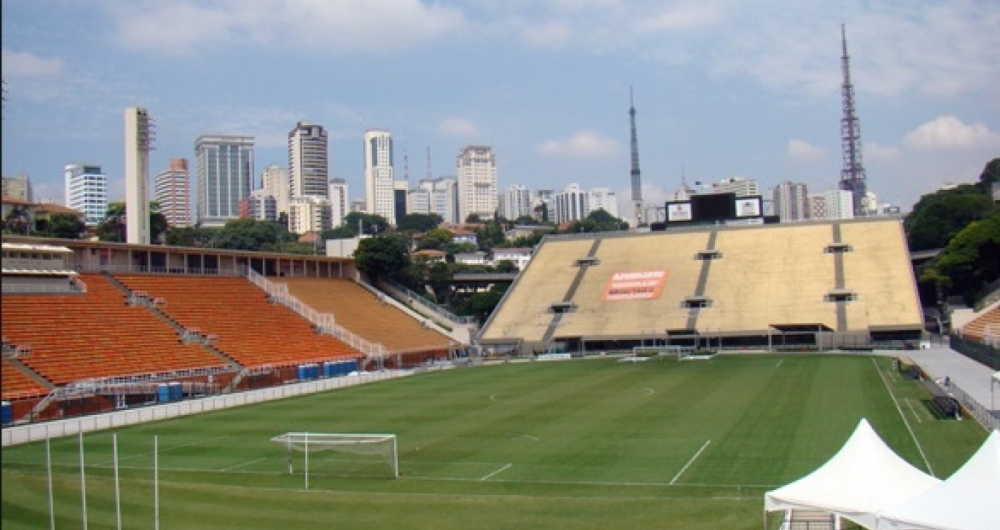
(966,501)
(864,478)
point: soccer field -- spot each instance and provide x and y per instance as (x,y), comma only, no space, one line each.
(575,444)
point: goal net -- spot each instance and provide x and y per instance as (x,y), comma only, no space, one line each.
(642,353)
(326,453)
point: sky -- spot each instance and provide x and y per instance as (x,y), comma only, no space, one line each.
(721,88)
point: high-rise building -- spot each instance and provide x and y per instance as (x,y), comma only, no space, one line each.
(260,205)
(399,190)
(516,202)
(18,187)
(741,186)
(340,203)
(379,183)
(575,204)
(832,204)
(274,181)
(308,161)
(790,201)
(438,196)
(477,182)
(173,192)
(138,142)
(224,166)
(308,214)
(87,191)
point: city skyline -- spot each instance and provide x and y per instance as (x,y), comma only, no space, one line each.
(719,90)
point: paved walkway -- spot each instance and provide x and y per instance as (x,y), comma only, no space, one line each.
(974,378)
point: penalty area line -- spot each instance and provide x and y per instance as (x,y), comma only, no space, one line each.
(693,458)
(497,472)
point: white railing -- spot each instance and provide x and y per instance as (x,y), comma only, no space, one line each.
(324,322)
(71,426)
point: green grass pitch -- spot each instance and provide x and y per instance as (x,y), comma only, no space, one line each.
(577,445)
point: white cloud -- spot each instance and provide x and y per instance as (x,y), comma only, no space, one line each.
(878,152)
(948,132)
(680,17)
(583,143)
(804,151)
(379,26)
(458,127)
(27,64)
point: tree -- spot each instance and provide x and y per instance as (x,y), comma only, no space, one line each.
(382,257)
(602,221)
(938,216)
(112,228)
(969,262)
(439,278)
(370,223)
(251,234)
(63,225)
(419,222)
(989,176)
(490,235)
(473,218)
(436,239)
(17,221)
(191,236)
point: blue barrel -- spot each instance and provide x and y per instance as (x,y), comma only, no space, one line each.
(329,369)
(350,366)
(176,391)
(6,413)
(314,371)
(162,393)
(303,372)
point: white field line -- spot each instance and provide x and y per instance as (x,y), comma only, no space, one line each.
(164,450)
(502,469)
(905,422)
(779,363)
(909,403)
(649,391)
(244,464)
(693,458)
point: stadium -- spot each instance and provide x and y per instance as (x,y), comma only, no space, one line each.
(202,388)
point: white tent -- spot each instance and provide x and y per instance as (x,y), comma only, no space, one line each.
(864,478)
(966,501)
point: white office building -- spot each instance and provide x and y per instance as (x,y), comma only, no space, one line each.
(790,201)
(308,214)
(832,204)
(516,202)
(340,203)
(172,189)
(275,182)
(477,182)
(308,164)
(379,183)
(87,191)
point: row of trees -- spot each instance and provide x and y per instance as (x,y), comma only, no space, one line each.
(964,222)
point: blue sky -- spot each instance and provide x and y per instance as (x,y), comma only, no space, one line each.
(722,88)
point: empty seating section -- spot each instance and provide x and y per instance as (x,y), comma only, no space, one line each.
(360,312)
(546,280)
(95,335)
(244,324)
(593,316)
(988,323)
(16,384)
(749,279)
(770,275)
(878,269)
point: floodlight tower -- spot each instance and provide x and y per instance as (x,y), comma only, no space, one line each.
(636,180)
(852,176)
(138,143)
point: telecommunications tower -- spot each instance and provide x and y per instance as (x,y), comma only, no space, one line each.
(636,180)
(852,176)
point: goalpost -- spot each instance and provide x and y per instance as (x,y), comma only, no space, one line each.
(311,443)
(641,353)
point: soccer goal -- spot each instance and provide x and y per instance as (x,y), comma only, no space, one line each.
(324,453)
(642,353)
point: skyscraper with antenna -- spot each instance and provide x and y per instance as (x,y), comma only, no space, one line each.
(636,179)
(852,176)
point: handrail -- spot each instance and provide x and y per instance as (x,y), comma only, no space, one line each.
(416,299)
(324,322)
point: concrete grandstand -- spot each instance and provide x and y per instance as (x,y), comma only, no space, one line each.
(821,285)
